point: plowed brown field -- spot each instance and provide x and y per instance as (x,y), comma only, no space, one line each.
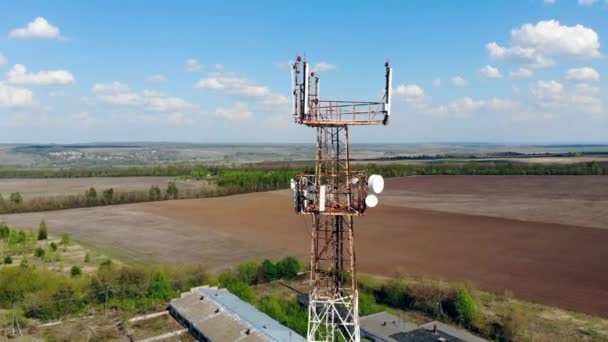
(550,263)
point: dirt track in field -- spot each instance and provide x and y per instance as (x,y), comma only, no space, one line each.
(549,263)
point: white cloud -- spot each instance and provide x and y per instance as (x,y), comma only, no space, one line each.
(521,73)
(586,2)
(490,72)
(192,65)
(465,105)
(533,44)
(518,55)
(156,78)
(39,29)
(548,90)
(410,92)
(550,2)
(582,74)
(219,67)
(554,96)
(120,94)
(2,59)
(458,81)
(19,75)
(550,37)
(437,82)
(323,66)
(234,85)
(237,112)
(14,96)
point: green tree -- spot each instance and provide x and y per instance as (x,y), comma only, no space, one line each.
(91,196)
(87,257)
(8,260)
(16,198)
(108,195)
(2,203)
(466,308)
(42,231)
(53,246)
(172,190)
(289,267)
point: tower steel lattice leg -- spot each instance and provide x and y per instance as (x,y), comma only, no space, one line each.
(333,300)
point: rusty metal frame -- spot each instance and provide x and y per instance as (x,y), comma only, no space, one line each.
(333,196)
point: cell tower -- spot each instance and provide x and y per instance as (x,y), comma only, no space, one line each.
(333,196)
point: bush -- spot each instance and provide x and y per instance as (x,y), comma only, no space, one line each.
(75,271)
(53,246)
(288,313)
(105,264)
(367,304)
(39,252)
(4,231)
(8,260)
(267,271)
(466,308)
(107,196)
(160,288)
(172,190)
(91,196)
(65,239)
(16,198)
(42,231)
(154,194)
(289,267)
(395,294)
(87,257)
(247,272)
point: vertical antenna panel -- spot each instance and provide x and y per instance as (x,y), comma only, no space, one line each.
(305,97)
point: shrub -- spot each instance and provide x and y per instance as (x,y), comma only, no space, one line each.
(107,196)
(154,194)
(42,231)
(172,190)
(466,308)
(8,260)
(288,268)
(4,231)
(247,272)
(75,271)
(39,252)
(87,257)
(65,239)
(267,271)
(105,264)
(16,198)
(395,294)
(288,313)
(91,196)
(159,287)
(367,304)
(432,298)
(53,246)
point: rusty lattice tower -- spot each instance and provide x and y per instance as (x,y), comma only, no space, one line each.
(332,197)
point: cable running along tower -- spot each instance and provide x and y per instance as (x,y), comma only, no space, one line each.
(332,197)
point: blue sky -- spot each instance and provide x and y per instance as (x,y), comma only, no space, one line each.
(482,71)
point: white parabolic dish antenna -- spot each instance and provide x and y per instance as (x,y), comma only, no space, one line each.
(371,201)
(375,184)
